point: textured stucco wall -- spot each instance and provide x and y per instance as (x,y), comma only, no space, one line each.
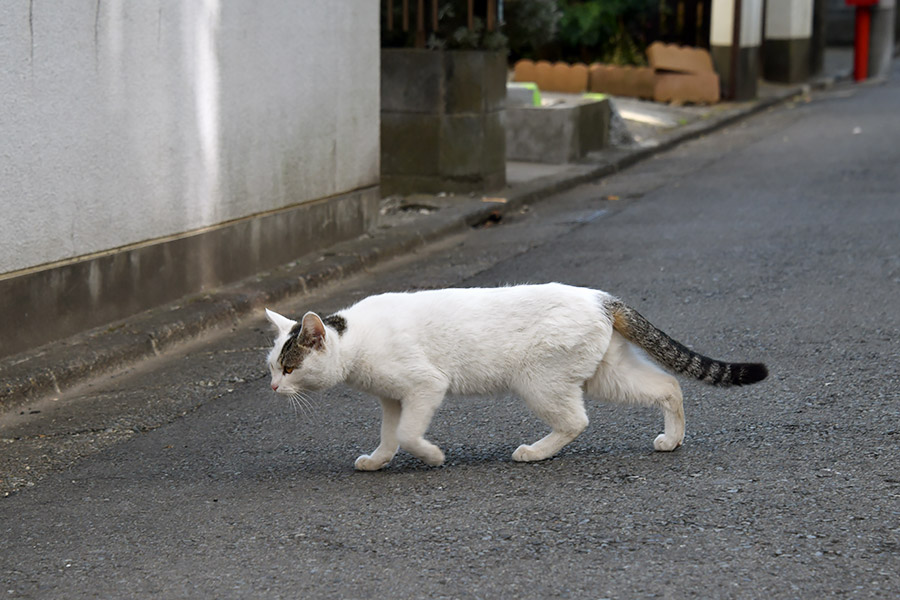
(126,122)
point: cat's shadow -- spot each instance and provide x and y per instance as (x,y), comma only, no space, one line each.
(497,457)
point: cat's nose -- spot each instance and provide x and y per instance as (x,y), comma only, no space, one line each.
(274,387)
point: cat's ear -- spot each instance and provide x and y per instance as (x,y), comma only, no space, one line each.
(313,330)
(281,323)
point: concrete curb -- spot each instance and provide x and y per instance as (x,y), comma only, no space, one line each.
(62,365)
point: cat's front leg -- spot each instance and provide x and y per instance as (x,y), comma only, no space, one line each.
(390,418)
(414,420)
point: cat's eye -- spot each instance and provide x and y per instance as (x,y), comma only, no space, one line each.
(288,370)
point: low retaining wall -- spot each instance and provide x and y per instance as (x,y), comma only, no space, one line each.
(47,304)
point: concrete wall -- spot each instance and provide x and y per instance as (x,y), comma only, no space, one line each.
(129,123)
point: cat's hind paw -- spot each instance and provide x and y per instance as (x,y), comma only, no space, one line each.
(367,463)
(665,444)
(434,459)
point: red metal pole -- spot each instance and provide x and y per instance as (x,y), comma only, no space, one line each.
(861,48)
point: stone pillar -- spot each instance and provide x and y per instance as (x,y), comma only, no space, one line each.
(881,38)
(743,82)
(443,117)
(788,45)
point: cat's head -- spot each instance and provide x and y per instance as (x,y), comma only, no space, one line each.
(304,356)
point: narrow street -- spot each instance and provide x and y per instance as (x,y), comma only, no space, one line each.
(774,240)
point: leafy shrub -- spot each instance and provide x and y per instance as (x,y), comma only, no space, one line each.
(530,25)
(611,31)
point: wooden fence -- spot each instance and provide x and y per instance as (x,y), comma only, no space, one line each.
(426,15)
(684,22)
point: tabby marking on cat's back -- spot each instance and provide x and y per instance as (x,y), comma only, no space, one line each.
(550,344)
(336,322)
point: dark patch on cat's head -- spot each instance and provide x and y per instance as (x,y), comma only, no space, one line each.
(292,352)
(336,322)
(300,342)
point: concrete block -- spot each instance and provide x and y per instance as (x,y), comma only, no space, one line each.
(465,81)
(558,133)
(525,70)
(593,126)
(409,143)
(472,144)
(605,79)
(680,59)
(634,82)
(496,71)
(522,94)
(553,77)
(494,147)
(460,150)
(571,79)
(641,81)
(543,73)
(698,88)
(559,78)
(400,92)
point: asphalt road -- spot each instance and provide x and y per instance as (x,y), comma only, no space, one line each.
(774,240)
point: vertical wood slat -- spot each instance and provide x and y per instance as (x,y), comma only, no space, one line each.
(420,24)
(405,15)
(684,22)
(434,15)
(471,15)
(390,15)
(491,14)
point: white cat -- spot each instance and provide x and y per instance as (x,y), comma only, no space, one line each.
(549,344)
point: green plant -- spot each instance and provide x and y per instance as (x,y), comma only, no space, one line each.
(529,25)
(611,31)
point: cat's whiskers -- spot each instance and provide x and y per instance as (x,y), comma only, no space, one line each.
(304,404)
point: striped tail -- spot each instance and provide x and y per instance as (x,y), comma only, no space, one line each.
(675,356)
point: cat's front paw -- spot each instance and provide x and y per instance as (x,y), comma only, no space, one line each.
(367,463)
(525,453)
(665,444)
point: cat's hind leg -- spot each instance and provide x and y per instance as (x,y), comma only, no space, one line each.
(382,455)
(563,411)
(626,375)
